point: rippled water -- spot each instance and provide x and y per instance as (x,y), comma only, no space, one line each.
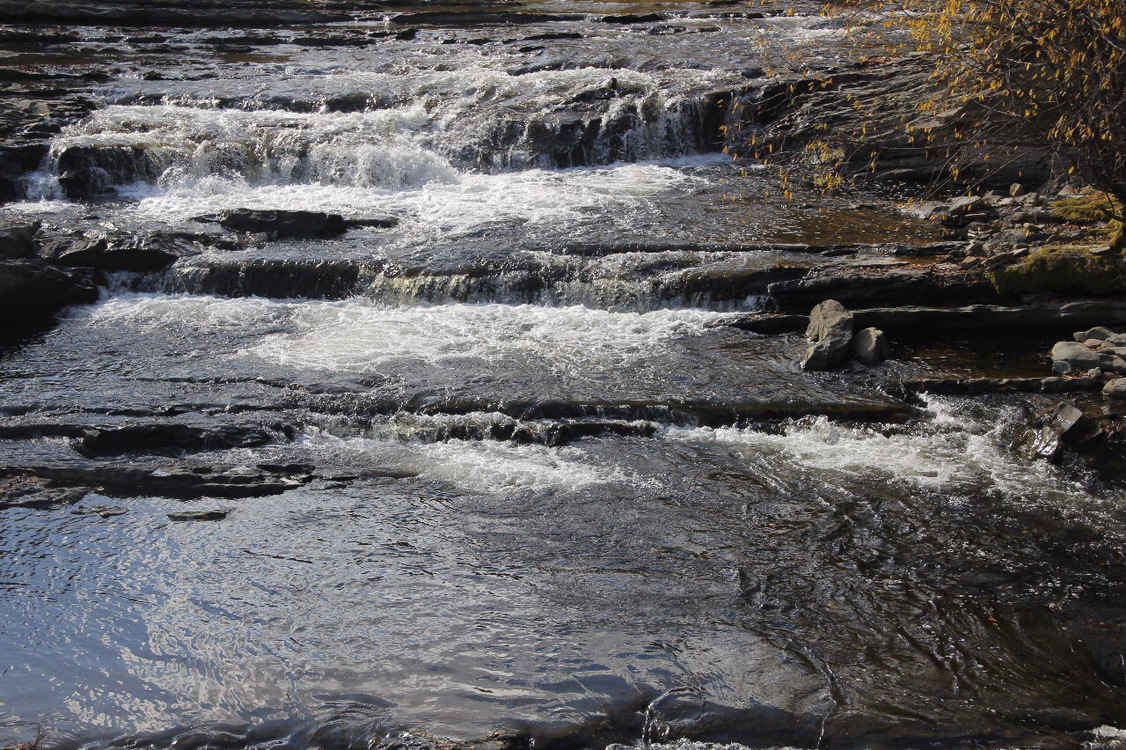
(553,495)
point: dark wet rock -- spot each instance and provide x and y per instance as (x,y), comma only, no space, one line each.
(118,251)
(870,346)
(769,323)
(283,223)
(830,330)
(86,172)
(32,289)
(105,511)
(915,322)
(377,222)
(24,489)
(862,406)
(185,482)
(555,434)
(200,515)
(864,286)
(1071,357)
(632,18)
(460,19)
(198,13)
(171,439)
(1056,428)
(981,386)
(277,278)
(550,36)
(18,240)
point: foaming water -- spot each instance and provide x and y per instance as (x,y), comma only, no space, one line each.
(960,452)
(451,203)
(358,337)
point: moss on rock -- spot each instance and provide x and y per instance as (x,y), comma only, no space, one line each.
(1092,208)
(1063,268)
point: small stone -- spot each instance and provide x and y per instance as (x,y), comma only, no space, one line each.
(1115,388)
(1094,372)
(1016,190)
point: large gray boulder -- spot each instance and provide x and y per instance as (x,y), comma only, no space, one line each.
(1070,357)
(830,330)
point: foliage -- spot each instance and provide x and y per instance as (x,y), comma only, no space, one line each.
(1055,67)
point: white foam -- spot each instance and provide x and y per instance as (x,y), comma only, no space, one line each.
(956,452)
(489,466)
(366,149)
(359,336)
(486,467)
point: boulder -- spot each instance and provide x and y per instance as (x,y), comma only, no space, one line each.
(1115,388)
(1101,333)
(18,240)
(1056,428)
(830,330)
(1071,357)
(870,346)
(283,223)
(31,289)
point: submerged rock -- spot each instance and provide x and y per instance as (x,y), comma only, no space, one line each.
(200,515)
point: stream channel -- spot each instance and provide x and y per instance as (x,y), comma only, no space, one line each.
(535,489)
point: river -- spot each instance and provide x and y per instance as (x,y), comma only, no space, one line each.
(551,498)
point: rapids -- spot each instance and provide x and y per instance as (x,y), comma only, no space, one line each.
(552,498)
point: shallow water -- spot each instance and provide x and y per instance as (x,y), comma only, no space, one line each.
(553,495)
